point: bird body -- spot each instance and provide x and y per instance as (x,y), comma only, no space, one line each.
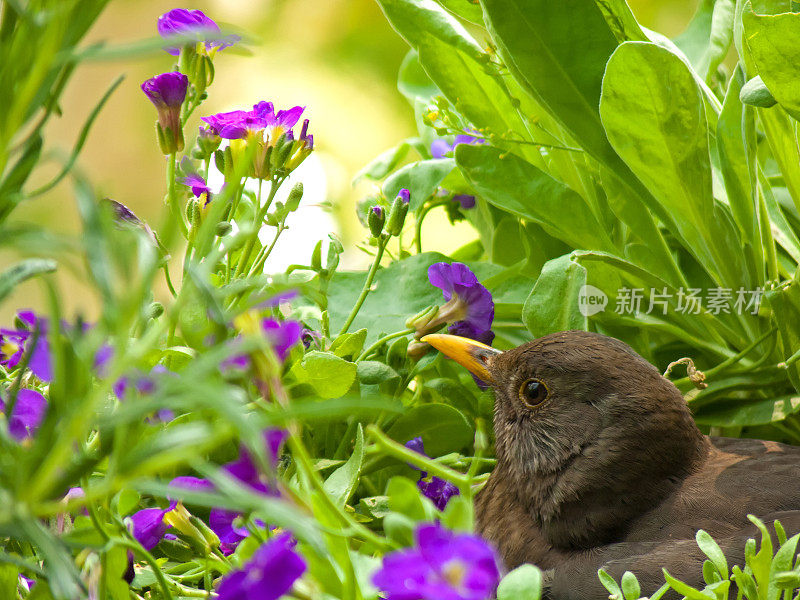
(600,465)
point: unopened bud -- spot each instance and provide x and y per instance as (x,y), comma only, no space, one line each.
(422,318)
(376,220)
(223,228)
(293,201)
(155,310)
(398,212)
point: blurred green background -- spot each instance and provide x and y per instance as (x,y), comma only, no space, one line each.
(339,58)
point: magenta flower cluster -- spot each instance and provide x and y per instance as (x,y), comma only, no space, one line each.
(442,566)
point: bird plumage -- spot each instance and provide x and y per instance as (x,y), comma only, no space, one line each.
(611,471)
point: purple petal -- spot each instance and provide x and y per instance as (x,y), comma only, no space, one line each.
(404,195)
(28,414)
(288,118)
(465,200)
(282,335)
(221,522)
(167,90)
(195,484)
(181,21)
(148,526)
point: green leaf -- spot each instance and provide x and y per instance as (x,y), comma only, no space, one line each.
(9,579)
(406,499)
(523,583)
(383,164)
(420,178)
(753,412)
(630,586)
(553,304)
(771,40)
(516,186)
(654,114)
(398,292)
(372,372)
(349,345)
(458,515)
(125,501)
(442,428)
(456,64)
(712,550)
(686,590)
(783,561)
(558,51)
(13,276)
(341,484)
(621,21)
(413,82)
(329,375)
(610,584)
(115,563)
(466,9)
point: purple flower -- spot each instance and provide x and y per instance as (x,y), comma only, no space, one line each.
(184,22)
(440,147)
(143,384)
(467,300)
(310,337)
(14,343)
(237,124)
(434,488)
(465,200)
(187,482)
(28,414)
(224,522)
(198,185)
(378,211)
(148,526)
(167,93)
(404,195)
(443,566)
(282,335)
(271,572)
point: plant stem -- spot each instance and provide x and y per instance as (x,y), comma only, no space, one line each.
(263,255)
(382,242)
(418,224)
(262,212)
(382,341)
(172,195)
(399,451)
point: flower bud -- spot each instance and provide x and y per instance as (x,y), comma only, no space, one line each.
(755,93)
(376,220)
(316,257)
(293,201)
(207,142)
(223,228)
(167,92)
(181,520)
(155,310)
(398,212)
(422,318)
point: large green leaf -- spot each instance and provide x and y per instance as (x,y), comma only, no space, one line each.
(442,428)
(457,65)
(735,413)
(398,292)
(341,484)
(329,375)
(516,186)
(772,42)
(654,114)
(554,301)
(420,178)
(558,51)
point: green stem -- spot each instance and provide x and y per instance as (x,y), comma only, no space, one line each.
(382,341)
(303,459)
(263,255)
(399,451)
(418,224)
(172,195)
(169,281)
(150,560)
(382,242)
(262,212)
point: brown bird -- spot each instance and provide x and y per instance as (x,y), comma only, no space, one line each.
(600,464)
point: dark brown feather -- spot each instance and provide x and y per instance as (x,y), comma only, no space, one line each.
(612,472)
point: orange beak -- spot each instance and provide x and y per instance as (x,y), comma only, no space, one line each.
(466,352)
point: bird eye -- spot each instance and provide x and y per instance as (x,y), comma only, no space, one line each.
(533,392)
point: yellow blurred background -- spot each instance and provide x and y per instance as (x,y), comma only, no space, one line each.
(339,58)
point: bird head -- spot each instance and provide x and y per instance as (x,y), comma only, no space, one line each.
(587,432)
